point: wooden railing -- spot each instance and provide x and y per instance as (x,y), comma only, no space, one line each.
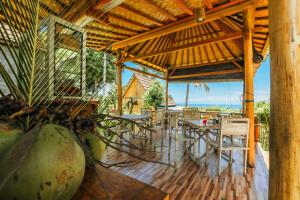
(263,138)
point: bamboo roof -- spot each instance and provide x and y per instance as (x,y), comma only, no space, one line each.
(164,35)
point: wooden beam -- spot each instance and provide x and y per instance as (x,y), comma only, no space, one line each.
(266,47)
(152,65)
(107,5)
(191,45)
(77,11)
(249,76)
(100,24)
(208,4)
(285,95)
(232,71)
(120,18)
(99,29)
(142,72)
(206,64)
(184,24)
(140,15)
(180,4)
(160,10)
(237,64)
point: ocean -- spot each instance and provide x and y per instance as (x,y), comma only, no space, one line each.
(200,105)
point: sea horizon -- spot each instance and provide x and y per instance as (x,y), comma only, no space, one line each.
(236,106)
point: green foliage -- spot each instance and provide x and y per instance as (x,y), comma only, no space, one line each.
(154,97)
(109,102)
(262,111)
(94,67)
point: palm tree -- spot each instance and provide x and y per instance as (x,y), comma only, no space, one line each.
(198,85)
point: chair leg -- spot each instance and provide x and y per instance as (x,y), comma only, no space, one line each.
(206,149)
(245,162)
(230,157)
(219,161)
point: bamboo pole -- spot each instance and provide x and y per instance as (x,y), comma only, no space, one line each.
(249,75)
(119,85)
(285,96)
(167,89)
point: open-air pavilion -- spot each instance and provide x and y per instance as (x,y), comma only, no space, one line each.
(181,41)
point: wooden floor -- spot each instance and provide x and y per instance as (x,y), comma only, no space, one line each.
(191,179)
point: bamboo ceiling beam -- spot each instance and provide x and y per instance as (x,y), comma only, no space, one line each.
(232,71)
(54,6)
(160,10)
(77,11)
(207,64)
(208,4)
(227,9)
(152,65)
(237,64)
(231,36)
(96,36)
(183,7)
(105,34)
(100,29)
(107,5)
(112,27)
(123,19)
(140,15)
(266,47)
(142,72)
(196,37)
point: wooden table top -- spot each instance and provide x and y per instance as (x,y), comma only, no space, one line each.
(199,124)
(118,187)
(135,117)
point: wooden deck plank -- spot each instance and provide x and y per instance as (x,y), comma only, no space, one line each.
(117,185)
(195,181)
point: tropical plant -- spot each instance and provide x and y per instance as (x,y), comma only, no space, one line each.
(95,68)
(262,112)
(154,97)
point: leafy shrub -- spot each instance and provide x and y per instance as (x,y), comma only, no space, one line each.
(262,111)
(154,97)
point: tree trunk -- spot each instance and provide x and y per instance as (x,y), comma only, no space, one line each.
(285,95)
(119,85)
(187,94)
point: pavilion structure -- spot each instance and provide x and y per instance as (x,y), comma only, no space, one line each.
(205,40)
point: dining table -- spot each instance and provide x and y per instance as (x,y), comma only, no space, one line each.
(143,120)
(202,128)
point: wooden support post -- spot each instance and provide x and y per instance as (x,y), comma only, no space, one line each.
(244,106)
(249,75)
(285,96)
(167,90)
(119,85)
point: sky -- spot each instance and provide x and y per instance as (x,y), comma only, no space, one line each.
(228,93)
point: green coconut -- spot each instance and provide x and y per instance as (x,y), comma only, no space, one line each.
(8,137)
(45,164)
(95,145)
